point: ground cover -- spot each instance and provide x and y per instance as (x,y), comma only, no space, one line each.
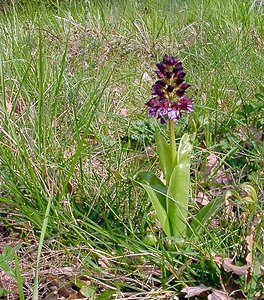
(75,77)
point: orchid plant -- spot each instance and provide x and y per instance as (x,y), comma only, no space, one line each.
(170,198)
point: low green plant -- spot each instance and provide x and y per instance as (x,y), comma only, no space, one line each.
(141,132)
(8,255)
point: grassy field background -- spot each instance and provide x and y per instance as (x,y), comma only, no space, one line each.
(75,77)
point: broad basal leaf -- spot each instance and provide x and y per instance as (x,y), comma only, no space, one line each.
(178,190)
(156,191)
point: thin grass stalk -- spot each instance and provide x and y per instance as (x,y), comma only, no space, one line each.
(3,89)
(19,279)
(40,95)
(41,241)
(59,83)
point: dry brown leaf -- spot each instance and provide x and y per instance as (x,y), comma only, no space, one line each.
(20,107)
(255,132)
(250,240)
(212,161)
(220,177)
(196,290)
(217,259)
(218,295)
(228,265)
(202,198)
(238,270)
(9,105)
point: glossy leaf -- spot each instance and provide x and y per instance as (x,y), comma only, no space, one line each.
(178,190)
(164,153)
(156,191)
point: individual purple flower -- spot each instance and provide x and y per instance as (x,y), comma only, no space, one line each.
(181,90)
(158,107)
(186,104)
(168,93)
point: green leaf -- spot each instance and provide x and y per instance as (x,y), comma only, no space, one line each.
(7,255)
(251,193)
(200,220)
(4,292)
(177,200)
(156,191)
(106,295)
(255,276)
(178,190)
(88,291)
(185,149)
(7,269)
(164,153)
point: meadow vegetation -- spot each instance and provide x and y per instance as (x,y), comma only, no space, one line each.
(74,133)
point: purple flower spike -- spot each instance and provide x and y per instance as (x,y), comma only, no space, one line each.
(169,100)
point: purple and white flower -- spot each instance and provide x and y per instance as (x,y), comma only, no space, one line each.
(168,93)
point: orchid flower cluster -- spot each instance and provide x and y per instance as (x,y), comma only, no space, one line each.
(168,102)
(168,97)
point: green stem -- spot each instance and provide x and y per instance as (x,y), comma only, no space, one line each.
(172,142)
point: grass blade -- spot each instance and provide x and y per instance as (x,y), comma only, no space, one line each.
(40,246)
(200,219)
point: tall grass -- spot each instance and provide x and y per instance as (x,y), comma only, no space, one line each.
(74,79)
